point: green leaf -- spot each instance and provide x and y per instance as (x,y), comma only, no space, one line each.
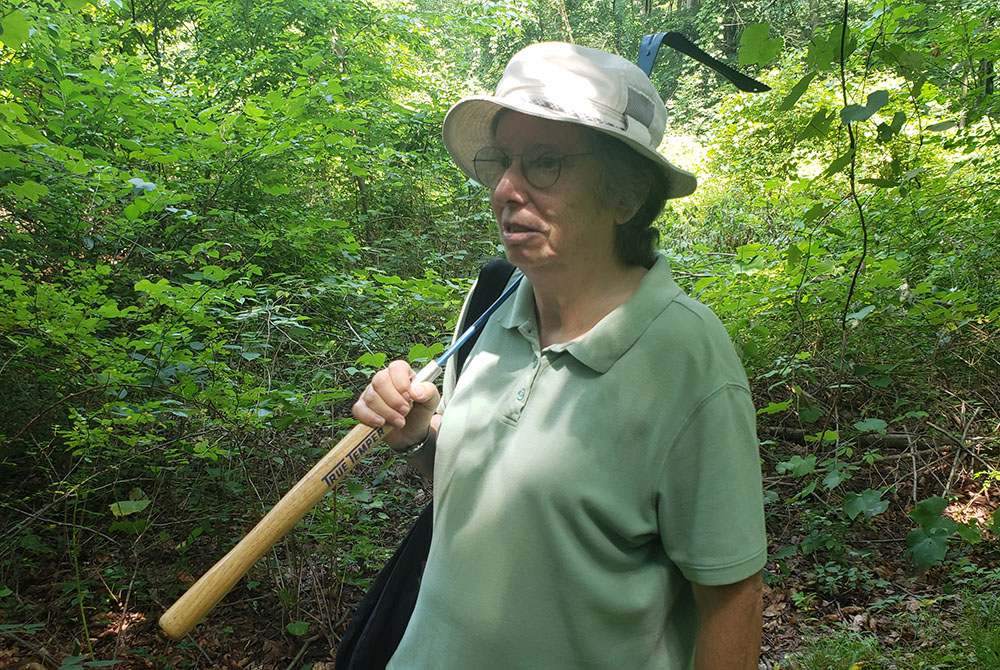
(928,511)
(857,113)
(797,91)
(793,257)
(15,29)
(825,436)
(371,360)
(881,183)
(860,314)
(359,492)
(810,414)
(109,310)
(756,47)
(775,407)
(839,163)
(214,273)
(9,160)
(798,466)
(838,474)
(131,527)
(818,126)
(941,127)
(880,382)
(420,353)
(806,490)
(298,628)
(869,502)
(126,507)
(970,532)
(146,286)
(132,212)
(30,189)
(896,54)
(824,51)
(925,550)
(871,426)
(886,131)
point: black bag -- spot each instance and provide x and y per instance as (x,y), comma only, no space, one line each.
(378,624)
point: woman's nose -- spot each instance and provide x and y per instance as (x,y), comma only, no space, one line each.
(512,183)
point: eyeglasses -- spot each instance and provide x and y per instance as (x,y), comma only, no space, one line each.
(540,165)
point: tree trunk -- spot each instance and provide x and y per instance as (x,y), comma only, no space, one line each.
(565,20)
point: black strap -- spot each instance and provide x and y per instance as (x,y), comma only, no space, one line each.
(378,624)
(493,279)
(650,46)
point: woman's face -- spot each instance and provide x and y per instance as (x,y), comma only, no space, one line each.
(565,225)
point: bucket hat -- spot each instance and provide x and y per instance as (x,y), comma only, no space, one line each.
(566,82)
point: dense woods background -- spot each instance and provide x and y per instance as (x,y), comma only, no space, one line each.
(218,217)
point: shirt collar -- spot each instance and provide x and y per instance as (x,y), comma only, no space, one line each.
(613,335)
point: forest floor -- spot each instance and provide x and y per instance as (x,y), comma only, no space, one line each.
(860,588)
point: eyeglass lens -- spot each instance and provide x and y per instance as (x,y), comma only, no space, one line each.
(540,165)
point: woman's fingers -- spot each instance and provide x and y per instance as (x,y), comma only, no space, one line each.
(426,394)
(387,400)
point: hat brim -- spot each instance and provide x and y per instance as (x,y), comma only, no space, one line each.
(468,127)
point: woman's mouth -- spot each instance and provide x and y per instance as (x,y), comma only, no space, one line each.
(518,228)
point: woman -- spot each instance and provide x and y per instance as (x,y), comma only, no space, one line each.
(597,483)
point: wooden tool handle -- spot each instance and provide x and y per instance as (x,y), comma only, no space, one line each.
(221,577)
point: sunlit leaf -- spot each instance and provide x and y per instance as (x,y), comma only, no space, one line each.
(886,131)
(941,127)
(126,507)
(797,91)
(839,163)
(860,314)
(818,126)
(15,29)
(756,47)
(775,407)
(859,113)
(871,425)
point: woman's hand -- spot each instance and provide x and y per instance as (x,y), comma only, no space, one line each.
(391,400)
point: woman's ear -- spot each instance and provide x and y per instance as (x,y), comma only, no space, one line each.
(626,210)
(632,199)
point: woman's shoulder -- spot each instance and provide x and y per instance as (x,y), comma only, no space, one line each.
(689,338)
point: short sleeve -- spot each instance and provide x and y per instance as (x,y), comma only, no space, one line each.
(710,503)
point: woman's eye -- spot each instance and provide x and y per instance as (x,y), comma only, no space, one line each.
(547,162)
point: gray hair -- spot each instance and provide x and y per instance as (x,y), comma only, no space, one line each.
(634,181)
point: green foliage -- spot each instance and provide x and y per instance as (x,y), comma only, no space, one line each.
(928,543)
(218,219)
(868,502)
(756,48)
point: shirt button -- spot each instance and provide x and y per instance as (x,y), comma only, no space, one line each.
(520,395)
(534,362)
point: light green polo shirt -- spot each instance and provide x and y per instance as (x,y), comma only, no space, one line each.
(578,489)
